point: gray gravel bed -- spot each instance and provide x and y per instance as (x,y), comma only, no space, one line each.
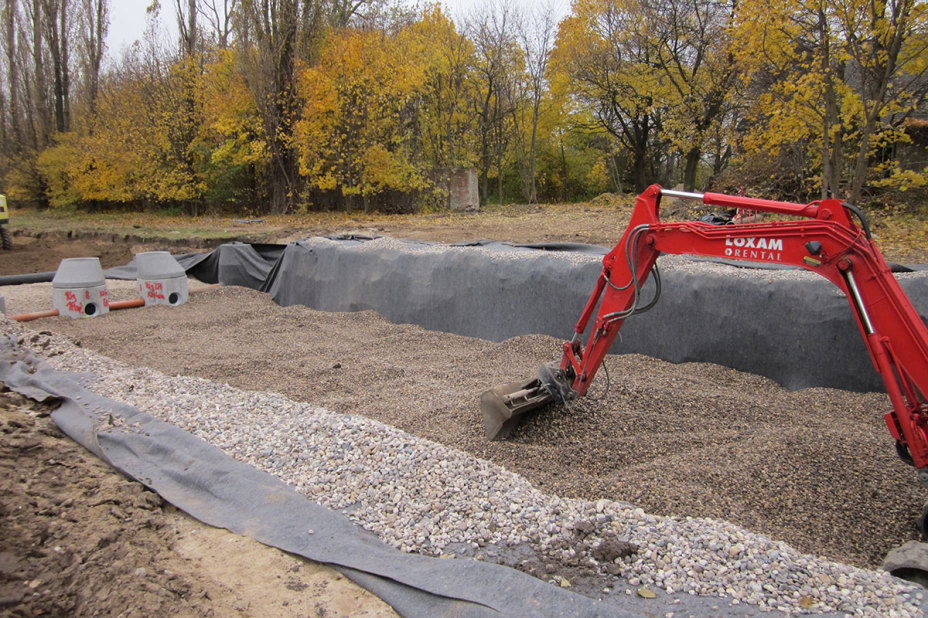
(815,467)
(495,253)
(418,495)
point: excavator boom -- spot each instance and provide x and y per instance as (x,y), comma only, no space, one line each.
(821,237)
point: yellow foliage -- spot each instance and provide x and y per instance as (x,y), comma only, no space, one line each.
(359,131)
(166,138)
(822,63)
(598,178)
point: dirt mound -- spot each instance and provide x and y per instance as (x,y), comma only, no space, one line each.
(77,538)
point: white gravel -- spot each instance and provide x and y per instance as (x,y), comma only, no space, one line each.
(498,252)
(420,496)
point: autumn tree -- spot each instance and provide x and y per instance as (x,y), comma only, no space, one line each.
(30,106)
(58,24)
(693,51)
(230,148)
(497,60)
(219,15)
(93,27)
(187,27)
(536,37)
(359,133)
(612,67)
(447,115)
(838,79)
(9,100)
(275,35)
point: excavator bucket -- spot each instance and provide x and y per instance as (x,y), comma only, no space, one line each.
(502,406)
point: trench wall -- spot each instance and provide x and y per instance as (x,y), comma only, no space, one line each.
(795,328)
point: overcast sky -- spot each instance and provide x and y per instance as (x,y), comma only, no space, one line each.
(127,18)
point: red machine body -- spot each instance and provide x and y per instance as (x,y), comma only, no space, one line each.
(825,241)
(820,237)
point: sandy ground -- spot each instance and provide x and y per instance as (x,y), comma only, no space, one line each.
(78,538)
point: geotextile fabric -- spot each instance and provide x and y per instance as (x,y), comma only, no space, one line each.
(798,331)
(218,490)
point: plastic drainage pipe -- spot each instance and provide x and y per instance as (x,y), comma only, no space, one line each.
(114,306)
(27,278)
(127,304)
(28,317)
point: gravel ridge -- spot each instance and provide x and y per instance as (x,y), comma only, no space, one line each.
(418,495)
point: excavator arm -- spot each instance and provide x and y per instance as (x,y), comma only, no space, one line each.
(821,237)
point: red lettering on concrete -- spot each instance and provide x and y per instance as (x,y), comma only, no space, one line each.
(73,304)
(155,290)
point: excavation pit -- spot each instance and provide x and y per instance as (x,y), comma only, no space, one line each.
(689,439)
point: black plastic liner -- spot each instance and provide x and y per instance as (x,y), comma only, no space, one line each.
(799,332)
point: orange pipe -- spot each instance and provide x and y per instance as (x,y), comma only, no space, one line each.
(114,306)
(28,317)
(127,304)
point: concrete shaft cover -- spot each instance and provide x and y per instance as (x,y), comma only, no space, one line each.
(79,288)
(162,281)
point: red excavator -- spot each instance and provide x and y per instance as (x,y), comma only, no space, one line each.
(821,237)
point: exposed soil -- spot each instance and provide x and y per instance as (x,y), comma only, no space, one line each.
(600,222)
(79,539)
(43,252)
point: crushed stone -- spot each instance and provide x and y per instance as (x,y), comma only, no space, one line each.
(687,445)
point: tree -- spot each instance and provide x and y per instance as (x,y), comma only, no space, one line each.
(447,117)
(57,21)
(359,133)
(275,35)
(230,148)
(497,60)
(187,26)
(536,37)
(612,67)
(840,79)
(94,24)
(219,14)
(10,120)
(692,44)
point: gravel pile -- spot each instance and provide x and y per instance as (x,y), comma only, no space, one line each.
(696,441)
(499,252)
(815,468)
(422,496)
(666,262)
